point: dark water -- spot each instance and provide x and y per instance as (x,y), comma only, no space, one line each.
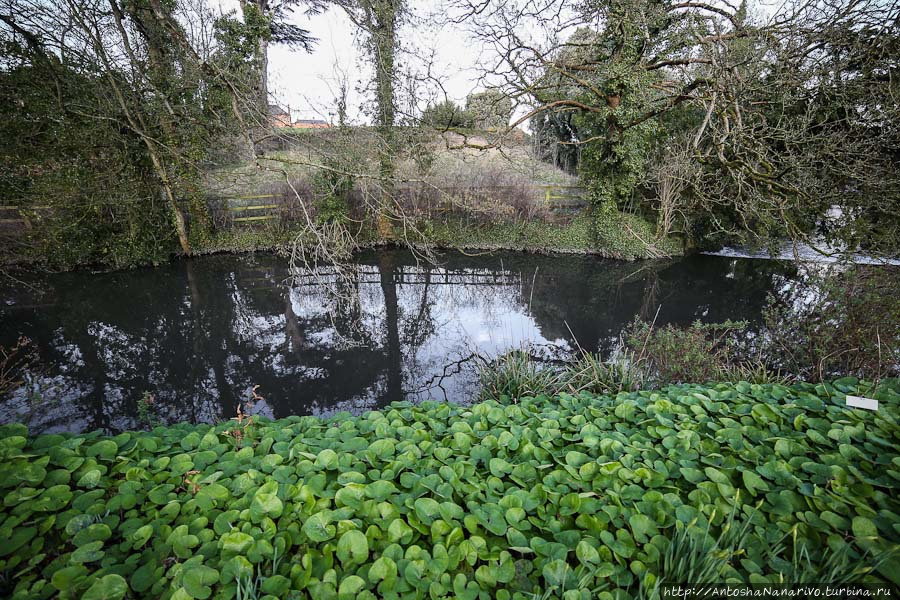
(199,334)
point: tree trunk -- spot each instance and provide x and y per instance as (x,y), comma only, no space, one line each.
(384,41)
(387,276)
(169,195)
(262,61)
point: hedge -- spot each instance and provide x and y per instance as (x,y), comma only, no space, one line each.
(575,496)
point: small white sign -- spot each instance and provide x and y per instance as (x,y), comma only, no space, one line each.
(858,402)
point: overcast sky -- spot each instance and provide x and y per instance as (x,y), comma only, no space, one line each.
(308,83)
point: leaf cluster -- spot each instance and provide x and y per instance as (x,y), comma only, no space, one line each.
(441,501)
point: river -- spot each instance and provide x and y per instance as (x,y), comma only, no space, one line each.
(201,334)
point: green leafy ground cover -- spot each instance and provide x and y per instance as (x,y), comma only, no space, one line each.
(565,496)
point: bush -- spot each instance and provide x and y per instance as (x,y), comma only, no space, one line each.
(518,374)
(443,501)
(837,324)
(446,115)
(701,352)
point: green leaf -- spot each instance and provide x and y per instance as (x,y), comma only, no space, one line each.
(382,449)
(108,587)
(350,587)
(19,538)
(692,475)
(92,533)
(90,479)
(586,553)
(318,527)
(327,459)
(383,569)
(716,475)
(643,527)
(380,490)
(276,585)
(142,535)
(576,459)
(235,542)
(105,449)
(486,575)
(558,574)
(499,467)
(399,531)
(353,548)
(198,579)
(864,528)
(427,509)
(492,518)
(66,578)
(144,577)
(88,553)
(266,503)
(753,482)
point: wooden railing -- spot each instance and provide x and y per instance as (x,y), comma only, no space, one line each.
(258,208)
(565,197)
(256,203)
(23,218)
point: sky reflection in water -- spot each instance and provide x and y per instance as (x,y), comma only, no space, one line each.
(200,333)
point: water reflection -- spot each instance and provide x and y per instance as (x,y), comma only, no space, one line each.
(200,334)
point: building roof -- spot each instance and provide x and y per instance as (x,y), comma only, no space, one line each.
(311,122)
(275,110)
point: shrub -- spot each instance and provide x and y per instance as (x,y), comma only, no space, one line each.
(837,324)
(673,354)
(446,115)
(443,501)
(517,374)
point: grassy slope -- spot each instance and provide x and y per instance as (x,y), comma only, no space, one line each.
(513,164)
(490,501)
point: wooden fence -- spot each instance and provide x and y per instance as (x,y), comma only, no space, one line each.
(564,198)
(262,208)
(18,219)
(248,209)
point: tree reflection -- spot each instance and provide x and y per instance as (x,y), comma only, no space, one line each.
(201,333)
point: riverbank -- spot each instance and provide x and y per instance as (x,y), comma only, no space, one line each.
(577,236)
(745,483)
(459,198)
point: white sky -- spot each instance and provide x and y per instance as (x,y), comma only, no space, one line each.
(308,83)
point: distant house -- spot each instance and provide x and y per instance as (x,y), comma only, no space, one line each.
(310,124)
(278,116)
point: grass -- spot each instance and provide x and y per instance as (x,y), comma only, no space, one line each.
(518,374)
(576,236)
